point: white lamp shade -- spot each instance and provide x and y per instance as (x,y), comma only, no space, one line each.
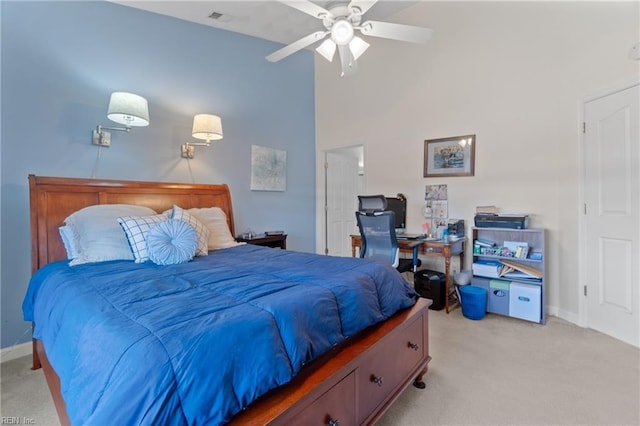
(358,47)
(207,127)
(128,109)
(327,49)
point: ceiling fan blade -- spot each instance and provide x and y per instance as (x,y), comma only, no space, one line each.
(362,5)
(296,45)
(308,8)
(348,64)
(396,31)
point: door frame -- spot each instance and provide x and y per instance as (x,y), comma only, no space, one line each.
(583,308)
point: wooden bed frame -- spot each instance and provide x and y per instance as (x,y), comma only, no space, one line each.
(353,384)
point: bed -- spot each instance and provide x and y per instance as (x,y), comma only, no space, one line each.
(345,369)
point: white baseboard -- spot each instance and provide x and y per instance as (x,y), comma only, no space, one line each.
(565,315)
(551,310)
(570,316)
(17,351)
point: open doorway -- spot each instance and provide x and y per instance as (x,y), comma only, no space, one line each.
(344,180)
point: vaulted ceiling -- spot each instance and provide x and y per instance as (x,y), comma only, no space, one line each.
(267,19)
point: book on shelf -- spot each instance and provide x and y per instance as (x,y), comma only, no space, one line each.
(520,276)
(535,255)
(521,252)
(505,269)
(524,269)
(486,268)
(484,243)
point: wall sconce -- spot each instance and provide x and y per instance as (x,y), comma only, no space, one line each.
(206,127)
(124,108)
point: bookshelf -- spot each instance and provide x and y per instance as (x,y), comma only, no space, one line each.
(510,265)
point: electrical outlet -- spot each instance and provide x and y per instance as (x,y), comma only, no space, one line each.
(634,52)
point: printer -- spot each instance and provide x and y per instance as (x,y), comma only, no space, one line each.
(456,227)
(508,221)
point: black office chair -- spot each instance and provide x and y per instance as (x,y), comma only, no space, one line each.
(377,230)
(372,203)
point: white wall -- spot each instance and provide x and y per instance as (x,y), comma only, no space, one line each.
(514,74)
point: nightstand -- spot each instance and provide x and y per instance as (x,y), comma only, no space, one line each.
(276,241)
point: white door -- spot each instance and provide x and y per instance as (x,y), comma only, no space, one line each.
(612,219)
(341,200)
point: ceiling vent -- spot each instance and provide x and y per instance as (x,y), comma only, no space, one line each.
(220,17)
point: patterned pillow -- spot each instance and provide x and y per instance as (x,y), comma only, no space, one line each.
(201,230)
(136,229)
(171,242)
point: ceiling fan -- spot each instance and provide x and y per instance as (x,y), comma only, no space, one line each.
(341,19)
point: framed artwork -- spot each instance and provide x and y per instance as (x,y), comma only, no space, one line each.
(268,169)
(454,156)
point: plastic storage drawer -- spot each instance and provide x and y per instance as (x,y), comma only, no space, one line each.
(497,294)
(524,301)
(498,300)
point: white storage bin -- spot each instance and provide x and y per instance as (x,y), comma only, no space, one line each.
(524,301)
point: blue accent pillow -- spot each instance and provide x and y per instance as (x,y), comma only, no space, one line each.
(171,242)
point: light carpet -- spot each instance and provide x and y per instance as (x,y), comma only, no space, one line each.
(495,371)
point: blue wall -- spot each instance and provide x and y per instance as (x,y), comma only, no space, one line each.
(62,60)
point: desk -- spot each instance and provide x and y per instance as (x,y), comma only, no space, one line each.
(429,249)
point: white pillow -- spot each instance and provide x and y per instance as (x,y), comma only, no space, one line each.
(202,231)
(216,220)
(70,241)
(136,228)
(99,235)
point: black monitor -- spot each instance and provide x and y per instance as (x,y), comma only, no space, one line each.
(398,205)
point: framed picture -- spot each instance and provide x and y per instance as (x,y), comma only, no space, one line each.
(454,156)
(268,169)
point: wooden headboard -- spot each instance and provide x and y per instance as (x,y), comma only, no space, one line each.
(52,199)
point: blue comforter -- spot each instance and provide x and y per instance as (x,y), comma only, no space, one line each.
(196,343)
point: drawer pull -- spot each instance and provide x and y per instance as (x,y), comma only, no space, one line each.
(333,422)
(377,380)
(413,346)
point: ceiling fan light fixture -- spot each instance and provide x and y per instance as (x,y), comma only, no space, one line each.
(340,19)
(342,32)
(327,49)
(348,64)
(358,46)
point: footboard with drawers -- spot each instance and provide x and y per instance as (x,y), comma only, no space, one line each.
(359,383)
